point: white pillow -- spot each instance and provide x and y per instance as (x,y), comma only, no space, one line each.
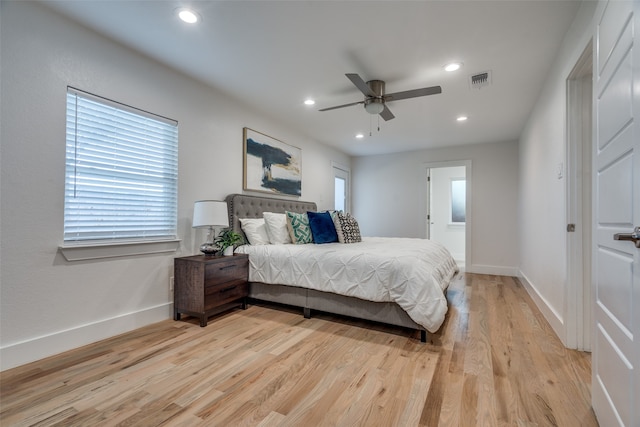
(255,230)
(277,228)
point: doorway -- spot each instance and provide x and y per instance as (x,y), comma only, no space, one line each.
(446,213)
(578,307)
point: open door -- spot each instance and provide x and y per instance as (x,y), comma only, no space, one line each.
(616,214)
(447,209)
(445,205)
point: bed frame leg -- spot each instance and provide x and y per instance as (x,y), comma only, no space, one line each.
(423,336)
(307,313)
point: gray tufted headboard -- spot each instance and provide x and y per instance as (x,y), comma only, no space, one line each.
(242,206)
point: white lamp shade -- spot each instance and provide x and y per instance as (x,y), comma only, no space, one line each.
(208,213)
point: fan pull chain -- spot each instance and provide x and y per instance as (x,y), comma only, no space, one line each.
(371,124)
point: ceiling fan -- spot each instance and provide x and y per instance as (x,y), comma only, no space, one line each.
(375,98)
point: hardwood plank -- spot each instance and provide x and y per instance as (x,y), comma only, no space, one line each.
(501,331)
(480,329)
(495,361)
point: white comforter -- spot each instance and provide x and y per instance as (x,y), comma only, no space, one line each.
(414,273)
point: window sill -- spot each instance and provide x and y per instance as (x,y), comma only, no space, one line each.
(113,250)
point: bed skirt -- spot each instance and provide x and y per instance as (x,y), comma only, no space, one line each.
(310,299)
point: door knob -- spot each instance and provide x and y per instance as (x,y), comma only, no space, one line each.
(632,237)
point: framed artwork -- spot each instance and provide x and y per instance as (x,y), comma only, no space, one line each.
(458,200)
(270,165)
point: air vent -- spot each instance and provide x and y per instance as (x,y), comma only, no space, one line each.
(480,80)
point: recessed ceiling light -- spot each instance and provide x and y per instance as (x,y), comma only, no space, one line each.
(188,16)
(453,66)
(359,135)
(462,118)
(309,102)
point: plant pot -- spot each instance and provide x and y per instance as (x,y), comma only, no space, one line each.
(228,251)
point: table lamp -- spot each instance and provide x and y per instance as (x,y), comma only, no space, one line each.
(210,214)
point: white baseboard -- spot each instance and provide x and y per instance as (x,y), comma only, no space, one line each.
(494,270)
(552,316)
(38,348)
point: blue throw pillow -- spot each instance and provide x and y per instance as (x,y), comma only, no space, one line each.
(322,227)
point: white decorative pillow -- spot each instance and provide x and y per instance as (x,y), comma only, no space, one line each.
(277,230)
(255,230)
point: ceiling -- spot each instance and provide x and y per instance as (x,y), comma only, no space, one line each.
(272,55)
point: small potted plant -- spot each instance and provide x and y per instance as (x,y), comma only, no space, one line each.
(228,240)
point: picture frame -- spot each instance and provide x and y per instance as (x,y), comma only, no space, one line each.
(270,165)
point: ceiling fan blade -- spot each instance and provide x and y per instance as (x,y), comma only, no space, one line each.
(413,93)
(360,84)
(342,106)
(386,114)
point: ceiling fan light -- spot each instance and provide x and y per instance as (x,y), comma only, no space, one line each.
(374,106)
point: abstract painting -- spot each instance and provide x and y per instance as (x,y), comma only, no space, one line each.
(270,165)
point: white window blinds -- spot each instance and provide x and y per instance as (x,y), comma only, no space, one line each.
(121,172)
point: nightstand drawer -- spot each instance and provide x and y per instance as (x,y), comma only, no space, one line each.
(220,294)
(205,285)
(223,272)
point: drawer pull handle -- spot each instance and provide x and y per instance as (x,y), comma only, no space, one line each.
(226,267)
(230,288)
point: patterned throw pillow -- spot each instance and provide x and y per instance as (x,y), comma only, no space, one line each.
(299,230)
(347,228)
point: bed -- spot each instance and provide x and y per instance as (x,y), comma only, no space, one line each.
(286,274)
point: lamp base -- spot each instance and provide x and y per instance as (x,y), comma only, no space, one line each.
(209,248)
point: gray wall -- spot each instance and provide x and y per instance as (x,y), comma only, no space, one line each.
(388,201)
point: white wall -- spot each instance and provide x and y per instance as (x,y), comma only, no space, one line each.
(542,206)
(387,199)
(49,305)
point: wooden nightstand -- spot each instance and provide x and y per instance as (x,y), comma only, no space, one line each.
(204,285)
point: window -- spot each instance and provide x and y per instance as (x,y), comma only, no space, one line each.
(458,200)
(121,173)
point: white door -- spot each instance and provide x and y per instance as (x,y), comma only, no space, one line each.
(616,263)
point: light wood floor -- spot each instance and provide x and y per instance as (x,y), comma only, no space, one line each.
(494,362)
